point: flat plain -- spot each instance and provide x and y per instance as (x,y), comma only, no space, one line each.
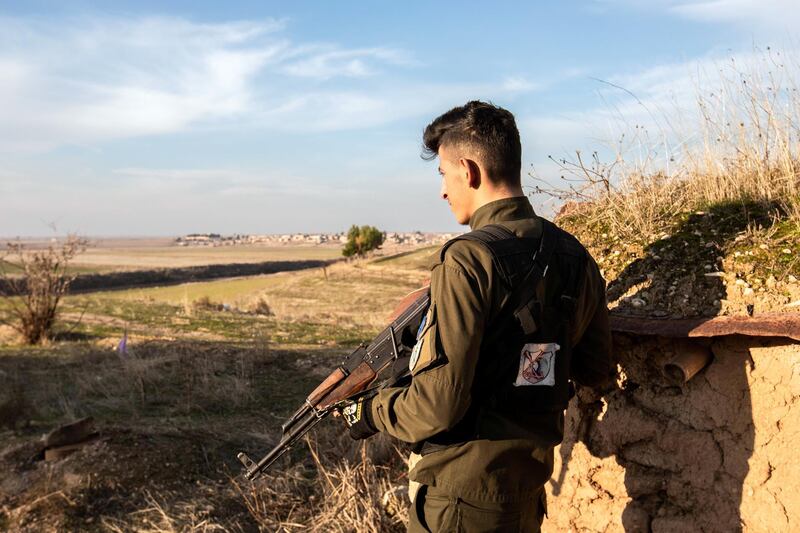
(208,369)
(111,255)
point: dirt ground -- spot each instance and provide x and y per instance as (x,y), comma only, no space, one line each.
(171,422)
(727,260)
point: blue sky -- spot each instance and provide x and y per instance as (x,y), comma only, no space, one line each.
(148,118)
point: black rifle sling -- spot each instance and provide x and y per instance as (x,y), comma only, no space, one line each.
(502,243)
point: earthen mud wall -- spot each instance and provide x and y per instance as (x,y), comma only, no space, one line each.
(719,453)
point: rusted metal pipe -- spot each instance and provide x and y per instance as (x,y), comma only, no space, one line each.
(764,325)
(691,359)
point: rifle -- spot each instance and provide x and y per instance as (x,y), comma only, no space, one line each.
(368,368)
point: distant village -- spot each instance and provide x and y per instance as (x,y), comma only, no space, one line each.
(415,238)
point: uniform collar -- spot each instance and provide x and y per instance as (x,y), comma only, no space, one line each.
(505,210)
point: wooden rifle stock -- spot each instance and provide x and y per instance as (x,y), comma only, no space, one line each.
(409,300)
(357,381)
(325,387)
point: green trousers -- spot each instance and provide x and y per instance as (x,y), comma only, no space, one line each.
(434,511)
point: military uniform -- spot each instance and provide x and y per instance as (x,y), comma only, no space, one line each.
(486,446)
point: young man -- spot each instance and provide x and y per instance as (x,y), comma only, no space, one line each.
(517,310)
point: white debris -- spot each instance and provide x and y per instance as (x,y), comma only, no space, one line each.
(638,302)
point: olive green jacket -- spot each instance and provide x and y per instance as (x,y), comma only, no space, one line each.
(466,295)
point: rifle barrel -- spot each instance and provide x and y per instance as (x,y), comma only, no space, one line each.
(288,440)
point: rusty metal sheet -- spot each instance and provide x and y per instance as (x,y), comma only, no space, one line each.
(766,325)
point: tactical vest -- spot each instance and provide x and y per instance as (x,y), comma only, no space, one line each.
(536,313)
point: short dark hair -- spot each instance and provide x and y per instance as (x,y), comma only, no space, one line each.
(489,130)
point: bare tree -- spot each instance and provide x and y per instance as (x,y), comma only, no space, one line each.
(34,282)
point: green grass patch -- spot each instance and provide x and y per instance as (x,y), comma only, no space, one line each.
(414,259)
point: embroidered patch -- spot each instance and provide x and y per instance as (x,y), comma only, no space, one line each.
(418,346)
(537,364)
(422,324)
(415,355)
(352,413)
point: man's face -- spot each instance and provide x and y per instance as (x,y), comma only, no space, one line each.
(455,184)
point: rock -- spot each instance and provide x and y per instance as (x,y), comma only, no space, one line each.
(786,251)
(763,246)
(69,438)
(637,303)
(707,267)
(771,282)
(747,291)
(72,433)
(741,282)
(59,452)
(791,279)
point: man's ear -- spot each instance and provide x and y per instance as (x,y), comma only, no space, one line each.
(472,171)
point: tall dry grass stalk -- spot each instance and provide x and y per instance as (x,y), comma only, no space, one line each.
(348,487)
(751,136)
(745,147)
(159,517)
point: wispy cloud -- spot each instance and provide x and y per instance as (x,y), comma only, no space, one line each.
(520,84)
(222,181)
(84,81)
(93,80)
(780,13)
(771,14)
(325,62)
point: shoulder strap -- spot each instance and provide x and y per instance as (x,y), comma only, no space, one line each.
(491,237)
(502,243)
(528,306)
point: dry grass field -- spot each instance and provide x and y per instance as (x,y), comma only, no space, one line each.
(105,255)
(199,382)
(182,256)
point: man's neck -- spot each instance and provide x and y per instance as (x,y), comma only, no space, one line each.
(496,193)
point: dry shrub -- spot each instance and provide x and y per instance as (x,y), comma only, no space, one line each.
(261,307)
(347,487)
(37,291)
(748,150)
(204,303)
